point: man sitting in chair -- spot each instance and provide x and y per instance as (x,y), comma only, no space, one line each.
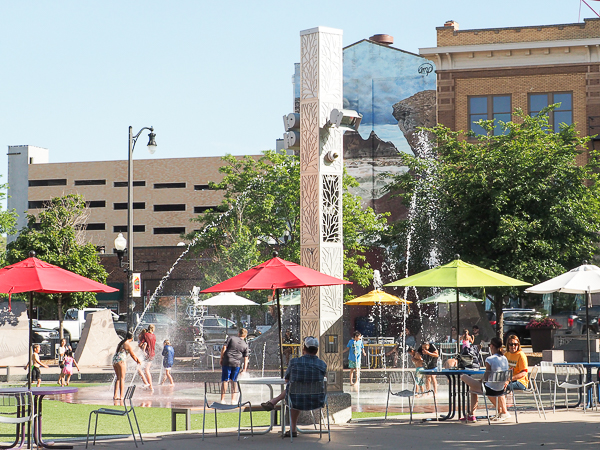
(306,369)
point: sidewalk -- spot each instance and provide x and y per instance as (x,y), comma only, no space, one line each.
(563,430)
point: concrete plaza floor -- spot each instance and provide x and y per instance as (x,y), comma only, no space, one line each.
(563,430)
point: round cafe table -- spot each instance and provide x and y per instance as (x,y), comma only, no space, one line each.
(38,396)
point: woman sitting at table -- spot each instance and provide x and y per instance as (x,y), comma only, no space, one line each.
(466,339)
(119,362)
(496,362)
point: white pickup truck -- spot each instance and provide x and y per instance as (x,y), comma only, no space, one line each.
(73,323)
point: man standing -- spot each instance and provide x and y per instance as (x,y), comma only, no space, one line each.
(234,356)
(476,336)
(306,369)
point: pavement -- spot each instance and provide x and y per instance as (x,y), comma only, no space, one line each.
(563,430)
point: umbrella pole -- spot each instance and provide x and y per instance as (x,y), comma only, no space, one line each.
(280,331)
(588,299)
(457,317)
(30,349)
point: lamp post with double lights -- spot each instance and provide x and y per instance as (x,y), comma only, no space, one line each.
(123,245)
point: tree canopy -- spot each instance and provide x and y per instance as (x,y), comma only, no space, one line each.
(517,202)
(57,238)
(261,213)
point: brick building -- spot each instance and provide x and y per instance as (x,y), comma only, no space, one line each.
(487,73)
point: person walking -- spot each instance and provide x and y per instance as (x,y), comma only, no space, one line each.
(168,354)
(147,343)
(234,359)
(119,362)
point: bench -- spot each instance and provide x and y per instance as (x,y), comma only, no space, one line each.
(196,410)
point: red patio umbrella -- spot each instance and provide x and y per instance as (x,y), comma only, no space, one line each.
(276,274)
(33,275)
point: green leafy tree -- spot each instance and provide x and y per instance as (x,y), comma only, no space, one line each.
(260,214)
(517,202)
(8,222)
(57,238)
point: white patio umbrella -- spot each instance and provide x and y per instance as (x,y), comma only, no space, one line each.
(584,279)
(227,299)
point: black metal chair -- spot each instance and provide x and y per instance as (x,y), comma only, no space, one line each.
(307,396)
(213,388)
(117,412)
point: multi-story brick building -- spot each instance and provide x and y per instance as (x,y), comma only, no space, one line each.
(487,73)
(167,194)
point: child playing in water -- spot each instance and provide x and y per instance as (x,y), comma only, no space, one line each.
(168,357)
(356,348)
(68,367)
(37,363)
(418,362)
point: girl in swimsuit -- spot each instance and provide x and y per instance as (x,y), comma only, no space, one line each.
(120,364)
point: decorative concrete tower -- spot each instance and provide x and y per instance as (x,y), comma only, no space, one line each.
(321,169)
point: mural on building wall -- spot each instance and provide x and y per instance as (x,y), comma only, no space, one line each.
(394,90)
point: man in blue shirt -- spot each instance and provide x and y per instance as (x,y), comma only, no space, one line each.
(306,369)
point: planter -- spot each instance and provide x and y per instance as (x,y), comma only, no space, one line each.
(542,339)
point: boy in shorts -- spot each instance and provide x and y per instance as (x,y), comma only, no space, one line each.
(356,348)
(37,363)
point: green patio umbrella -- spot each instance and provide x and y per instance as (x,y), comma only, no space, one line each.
(457,274)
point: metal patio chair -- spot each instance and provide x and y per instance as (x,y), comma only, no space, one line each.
(212,389)
(533,390)
(307,396)
(573,377)
(504,376)
(402,384)
(18,409)
(117,412)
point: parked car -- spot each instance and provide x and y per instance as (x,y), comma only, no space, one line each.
(45,337)
(594,320)
(215,328)
(515,322)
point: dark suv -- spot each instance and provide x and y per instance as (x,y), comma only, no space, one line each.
(594,319)
(515,321)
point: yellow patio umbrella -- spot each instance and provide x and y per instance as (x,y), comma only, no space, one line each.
(377,297)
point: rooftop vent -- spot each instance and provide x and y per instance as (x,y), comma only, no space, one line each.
(452,24)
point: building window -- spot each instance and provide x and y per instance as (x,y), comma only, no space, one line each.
(96,204)
(203,209)
(169,230)
(56,182)
(136,205)
(488,107)
(169,185)
(174,207)
(37,204)
(201,187)
(123,229)
(562,114)
(90,182)
(124,183)
(92,226)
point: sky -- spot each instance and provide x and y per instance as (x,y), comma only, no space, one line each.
(211,77)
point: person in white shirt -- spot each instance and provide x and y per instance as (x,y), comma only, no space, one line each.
(496,362)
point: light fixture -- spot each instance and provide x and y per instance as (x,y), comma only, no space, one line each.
(151,141)
(291,124)
(120,247)
(346,119)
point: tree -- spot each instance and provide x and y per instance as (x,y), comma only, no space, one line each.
(58,239)
(8,222)
(516,202)
(260,214)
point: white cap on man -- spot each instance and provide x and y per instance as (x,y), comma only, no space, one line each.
(311,341)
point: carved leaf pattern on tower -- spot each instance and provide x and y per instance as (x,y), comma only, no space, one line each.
(309,137)
(309,328)
(310,257)
(331,226)
(309,57)
(309,309)
(330,52)
(309,219)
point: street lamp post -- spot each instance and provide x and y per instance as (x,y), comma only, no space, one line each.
(129,243)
